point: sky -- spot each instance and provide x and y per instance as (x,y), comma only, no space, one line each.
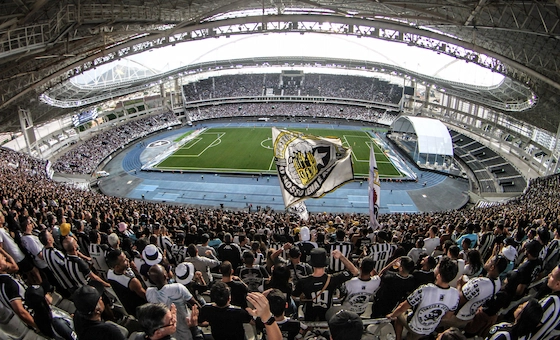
(310,44)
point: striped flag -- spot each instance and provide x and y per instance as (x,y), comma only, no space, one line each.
(309,166)
(373,190)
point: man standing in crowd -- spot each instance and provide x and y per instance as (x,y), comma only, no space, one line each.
(382,250)
(238,289)
(431,303)
(124,282)
(254,276)
(297,268)
(432,241)
(171,293)
(519,279)
(475,292)
(319,287)
(203,246)
(361,290)
(225,320)
(229,251)
(395,286)
(98,251)
(202,264)
(345,247)
(305,244)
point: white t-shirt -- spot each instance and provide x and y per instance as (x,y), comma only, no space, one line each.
(359,293)
(430,303)
(477,291)
(461,265)
(10,246)
(179,295)
(430,244)
(34,247)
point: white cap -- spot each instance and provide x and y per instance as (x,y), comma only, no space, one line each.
(509,252)
(304,234)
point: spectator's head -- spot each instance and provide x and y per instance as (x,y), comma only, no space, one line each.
(466,244)
(318,258)
(226,269)
(533,248)
(228,238)
(46,238)
(346,325)
(88,302)
(192,250)
(340,234)
(156,320)
(294,253)
(94,236)
(367,265)
(158,275)
(554,279)
(184,273)
(543,235)
(248,258)
(277,302)
(152,255)
(452,333)
(447,269)
(527,316)
(407,265)
(496,265)
(113,240)
(204,238)
(428,262)
(304,234)
(220,294)
(70,245)
(453,252)
(420,243)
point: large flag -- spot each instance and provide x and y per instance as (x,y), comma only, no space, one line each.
(309,166)
(300,209)
(374,189)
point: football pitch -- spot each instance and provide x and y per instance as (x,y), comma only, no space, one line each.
(249,150)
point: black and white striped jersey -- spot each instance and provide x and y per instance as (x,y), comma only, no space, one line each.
(380,253)
(55,262)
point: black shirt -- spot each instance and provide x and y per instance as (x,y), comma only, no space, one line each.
(316,305)
(393,290)
(238,291)
(226,323)
(87,329)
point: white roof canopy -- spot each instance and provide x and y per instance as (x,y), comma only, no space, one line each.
(433,136)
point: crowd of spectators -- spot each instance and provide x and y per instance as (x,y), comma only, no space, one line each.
(85,157)
(491,272)
(320,85)
(292,110)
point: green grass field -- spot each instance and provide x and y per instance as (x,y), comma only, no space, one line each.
(250,150)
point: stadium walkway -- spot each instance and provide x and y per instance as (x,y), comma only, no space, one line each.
(432,192)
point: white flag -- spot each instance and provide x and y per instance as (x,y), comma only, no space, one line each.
(309,166)
(374,189)
(300,209)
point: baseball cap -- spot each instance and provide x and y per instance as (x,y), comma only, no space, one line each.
(65,229)
(86,299)
(347,325)
(184,272)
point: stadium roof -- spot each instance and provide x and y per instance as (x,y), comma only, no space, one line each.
(433,136)
(46,42)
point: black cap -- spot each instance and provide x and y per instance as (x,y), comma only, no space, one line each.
(346,325)
(86,299)
(318,258)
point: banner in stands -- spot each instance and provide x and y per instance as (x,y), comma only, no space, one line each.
(374,189)
(309,166)
(300,209)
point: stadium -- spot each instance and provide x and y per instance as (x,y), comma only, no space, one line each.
(146,113)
